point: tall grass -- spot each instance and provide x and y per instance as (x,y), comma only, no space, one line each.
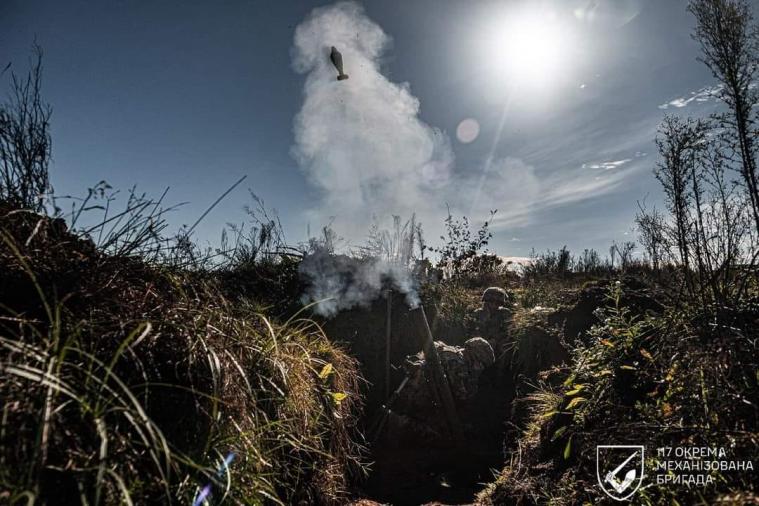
(124,382)
(686,377)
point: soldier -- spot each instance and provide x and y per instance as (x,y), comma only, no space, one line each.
(496,385)
(414,414)
(493,319)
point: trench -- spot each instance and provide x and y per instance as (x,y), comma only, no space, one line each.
(412,475)
(407,470)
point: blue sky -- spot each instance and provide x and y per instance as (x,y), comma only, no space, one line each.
(193,95)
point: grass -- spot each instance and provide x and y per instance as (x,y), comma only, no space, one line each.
(147,382)
(128,379)
(124,382)
(686,377)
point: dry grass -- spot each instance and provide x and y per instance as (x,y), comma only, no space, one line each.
(683,378)
(126,383)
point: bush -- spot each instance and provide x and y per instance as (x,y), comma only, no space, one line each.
(25,141)
(664,380)
(462,253)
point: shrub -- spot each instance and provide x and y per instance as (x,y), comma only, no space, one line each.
(25,141)
(664,380)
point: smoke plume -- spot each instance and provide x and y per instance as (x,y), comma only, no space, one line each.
(338,282)
(360,141)
(361,144)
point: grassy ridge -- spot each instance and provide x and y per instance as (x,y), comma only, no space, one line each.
(128,382)
(682,377)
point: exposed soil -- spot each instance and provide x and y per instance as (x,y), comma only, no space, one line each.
(413,475)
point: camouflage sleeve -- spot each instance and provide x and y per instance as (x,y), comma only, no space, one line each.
(473,323)
(506,321)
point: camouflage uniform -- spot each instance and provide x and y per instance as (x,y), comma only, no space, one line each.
(493,320)
(415,413)
(463,367)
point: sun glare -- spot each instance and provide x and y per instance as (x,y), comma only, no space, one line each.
(529,48)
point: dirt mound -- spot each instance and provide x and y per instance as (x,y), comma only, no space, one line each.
(577,319)
(122,379)
(662,380)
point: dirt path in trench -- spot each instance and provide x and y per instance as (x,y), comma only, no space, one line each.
(412,475)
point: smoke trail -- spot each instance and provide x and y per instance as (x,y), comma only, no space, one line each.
(338,282)
(360,141)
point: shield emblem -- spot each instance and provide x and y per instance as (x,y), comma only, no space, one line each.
(619,469)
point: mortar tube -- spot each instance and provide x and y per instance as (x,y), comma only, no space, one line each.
(438,375)
(388,331)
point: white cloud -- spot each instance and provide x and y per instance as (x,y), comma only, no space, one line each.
(518,192)
(565,190)
(701,95)
(361,144)
(606,165)
(508,185)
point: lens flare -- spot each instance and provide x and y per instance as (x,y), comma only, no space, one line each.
(205,492)
(467,131)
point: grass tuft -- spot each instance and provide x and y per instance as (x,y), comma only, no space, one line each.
(137,383)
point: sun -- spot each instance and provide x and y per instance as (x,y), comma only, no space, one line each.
(528,47)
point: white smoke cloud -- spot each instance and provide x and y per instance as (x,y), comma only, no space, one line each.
(338,282)
(360,141)
(361,144)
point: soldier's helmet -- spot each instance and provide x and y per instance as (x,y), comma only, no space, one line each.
(478,353)
(494,294)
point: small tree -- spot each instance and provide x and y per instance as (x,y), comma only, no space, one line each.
(564,266)
(25,141)
(461,245)
(589,262)
(679,142)
(730,47)
(622,251)
(652,235)
(728,222)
